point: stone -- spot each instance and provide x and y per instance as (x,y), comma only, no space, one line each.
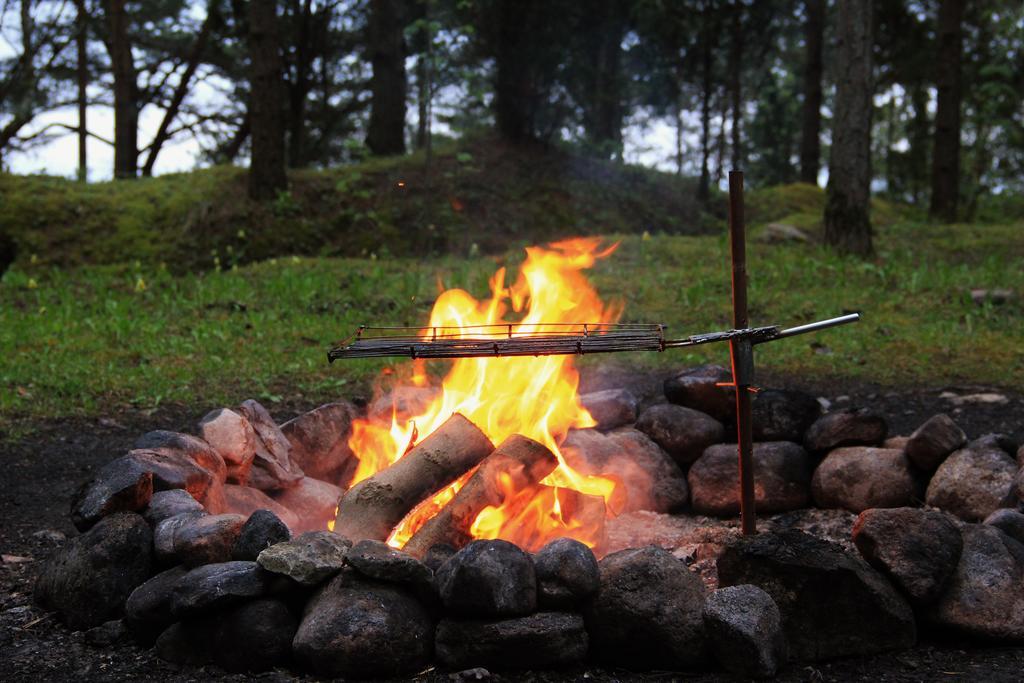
(860,477)
(543,640)
(360,629)
(846,427)
(984,597)
(1003,442)
(833,604)
(245,500)
(610,408)
(684,433)
(234,438)
(567,574)
(106,634)
(1020,456)
(437,555)
(319,442)
(973,483)
(702,388)
(779,233)
(898,443)
(917,549)
(403,402)
(744,628)
(930,443)
(488,579)
(88,579)
(207,539)
(783,415)
(189,643)
(212,586)
(647,612)
(148,608)
(174,470)
(377,560)
(272,468)
(1010,522)
(309,559)
(165,504)
(202,453)
(262,530)
(782,478)
(313,502)
(255,636)
(121,485)
(163,536)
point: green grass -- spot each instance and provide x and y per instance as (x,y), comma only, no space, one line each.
(87,341)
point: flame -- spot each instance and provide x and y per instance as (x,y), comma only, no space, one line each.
(532,396)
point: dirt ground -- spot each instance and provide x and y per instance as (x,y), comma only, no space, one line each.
(41,471)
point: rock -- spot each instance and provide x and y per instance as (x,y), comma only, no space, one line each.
(319,442)
(357,628)
(106,634)
(611,408)
(405,401)
(163,536)
(189,643)
(255,636)
(539,641)
(377,560)
(846,427)
(833,604)
(313,502)
(898,443)
(262,530)
(202,453)
(996,296)
(165,504)
(744,628)
(273,468)
(917,549)
(984,597)
(567,574)
(309,559)
(1020,456)
(684,433)
(859,477)
(121,485)
(173,470)
(701,388)
(49,537)
(488,579)
(987,397)
(245,500)
(930,443)
(212,586)
(782,477)
(148,609)
(778,233)
(783,415)
(207,539)
(973,483)
(1010,522)
(437,555)
(234,438)
(1003,442)
(647,612)
(88,579)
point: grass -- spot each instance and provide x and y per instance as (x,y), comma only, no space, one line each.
(89,340)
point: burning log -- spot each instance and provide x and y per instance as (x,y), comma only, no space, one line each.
(524,462)
(373,507)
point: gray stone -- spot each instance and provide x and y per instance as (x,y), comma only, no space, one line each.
(273,468)
(359,629)
(702,388)
(245,500)
(88,579)
(833,604)
(200,452)
(174,470)
(647,612)
(782,477)
(1010,522)
(207,539)
(234,438)
(189,643)
(163,536)
(106,634)
(567,574)
(973,483)
(122,485)
(610,408)
(488,579)
(860,477)
(930,443)
(783,415)
(212,586)
(313,502)
(437,555)
(148,608)
(744,628)
(847,427)
(1003,442)
(319,441)
(684,433)
(262,530)
(539,641)
(309,559)
(917,549)
(166,504)
(377,560)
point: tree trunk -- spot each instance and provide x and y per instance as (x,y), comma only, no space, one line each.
(810,142)
(707,85)
(386,133)
(604,25)
(126,111)
(266,123)
(736,85)
(298,91)
(946,153)
(847,220)
(515,88)
(82,77)
(920,139)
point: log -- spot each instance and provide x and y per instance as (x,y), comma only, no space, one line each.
(523,460)
(373,507)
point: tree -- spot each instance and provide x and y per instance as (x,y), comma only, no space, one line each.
(266,120)
(847,220)
(810,137)
(386,45)
(596,79)
(946,151)
(82,81)
(126,109)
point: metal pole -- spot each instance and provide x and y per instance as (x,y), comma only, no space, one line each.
(741,352)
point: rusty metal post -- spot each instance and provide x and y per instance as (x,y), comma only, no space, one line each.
(741,352)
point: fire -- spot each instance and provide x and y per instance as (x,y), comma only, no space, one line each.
(532,396)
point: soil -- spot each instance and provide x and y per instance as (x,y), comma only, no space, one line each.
(42,470)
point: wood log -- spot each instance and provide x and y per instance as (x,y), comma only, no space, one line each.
(523,460)
(373,507)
